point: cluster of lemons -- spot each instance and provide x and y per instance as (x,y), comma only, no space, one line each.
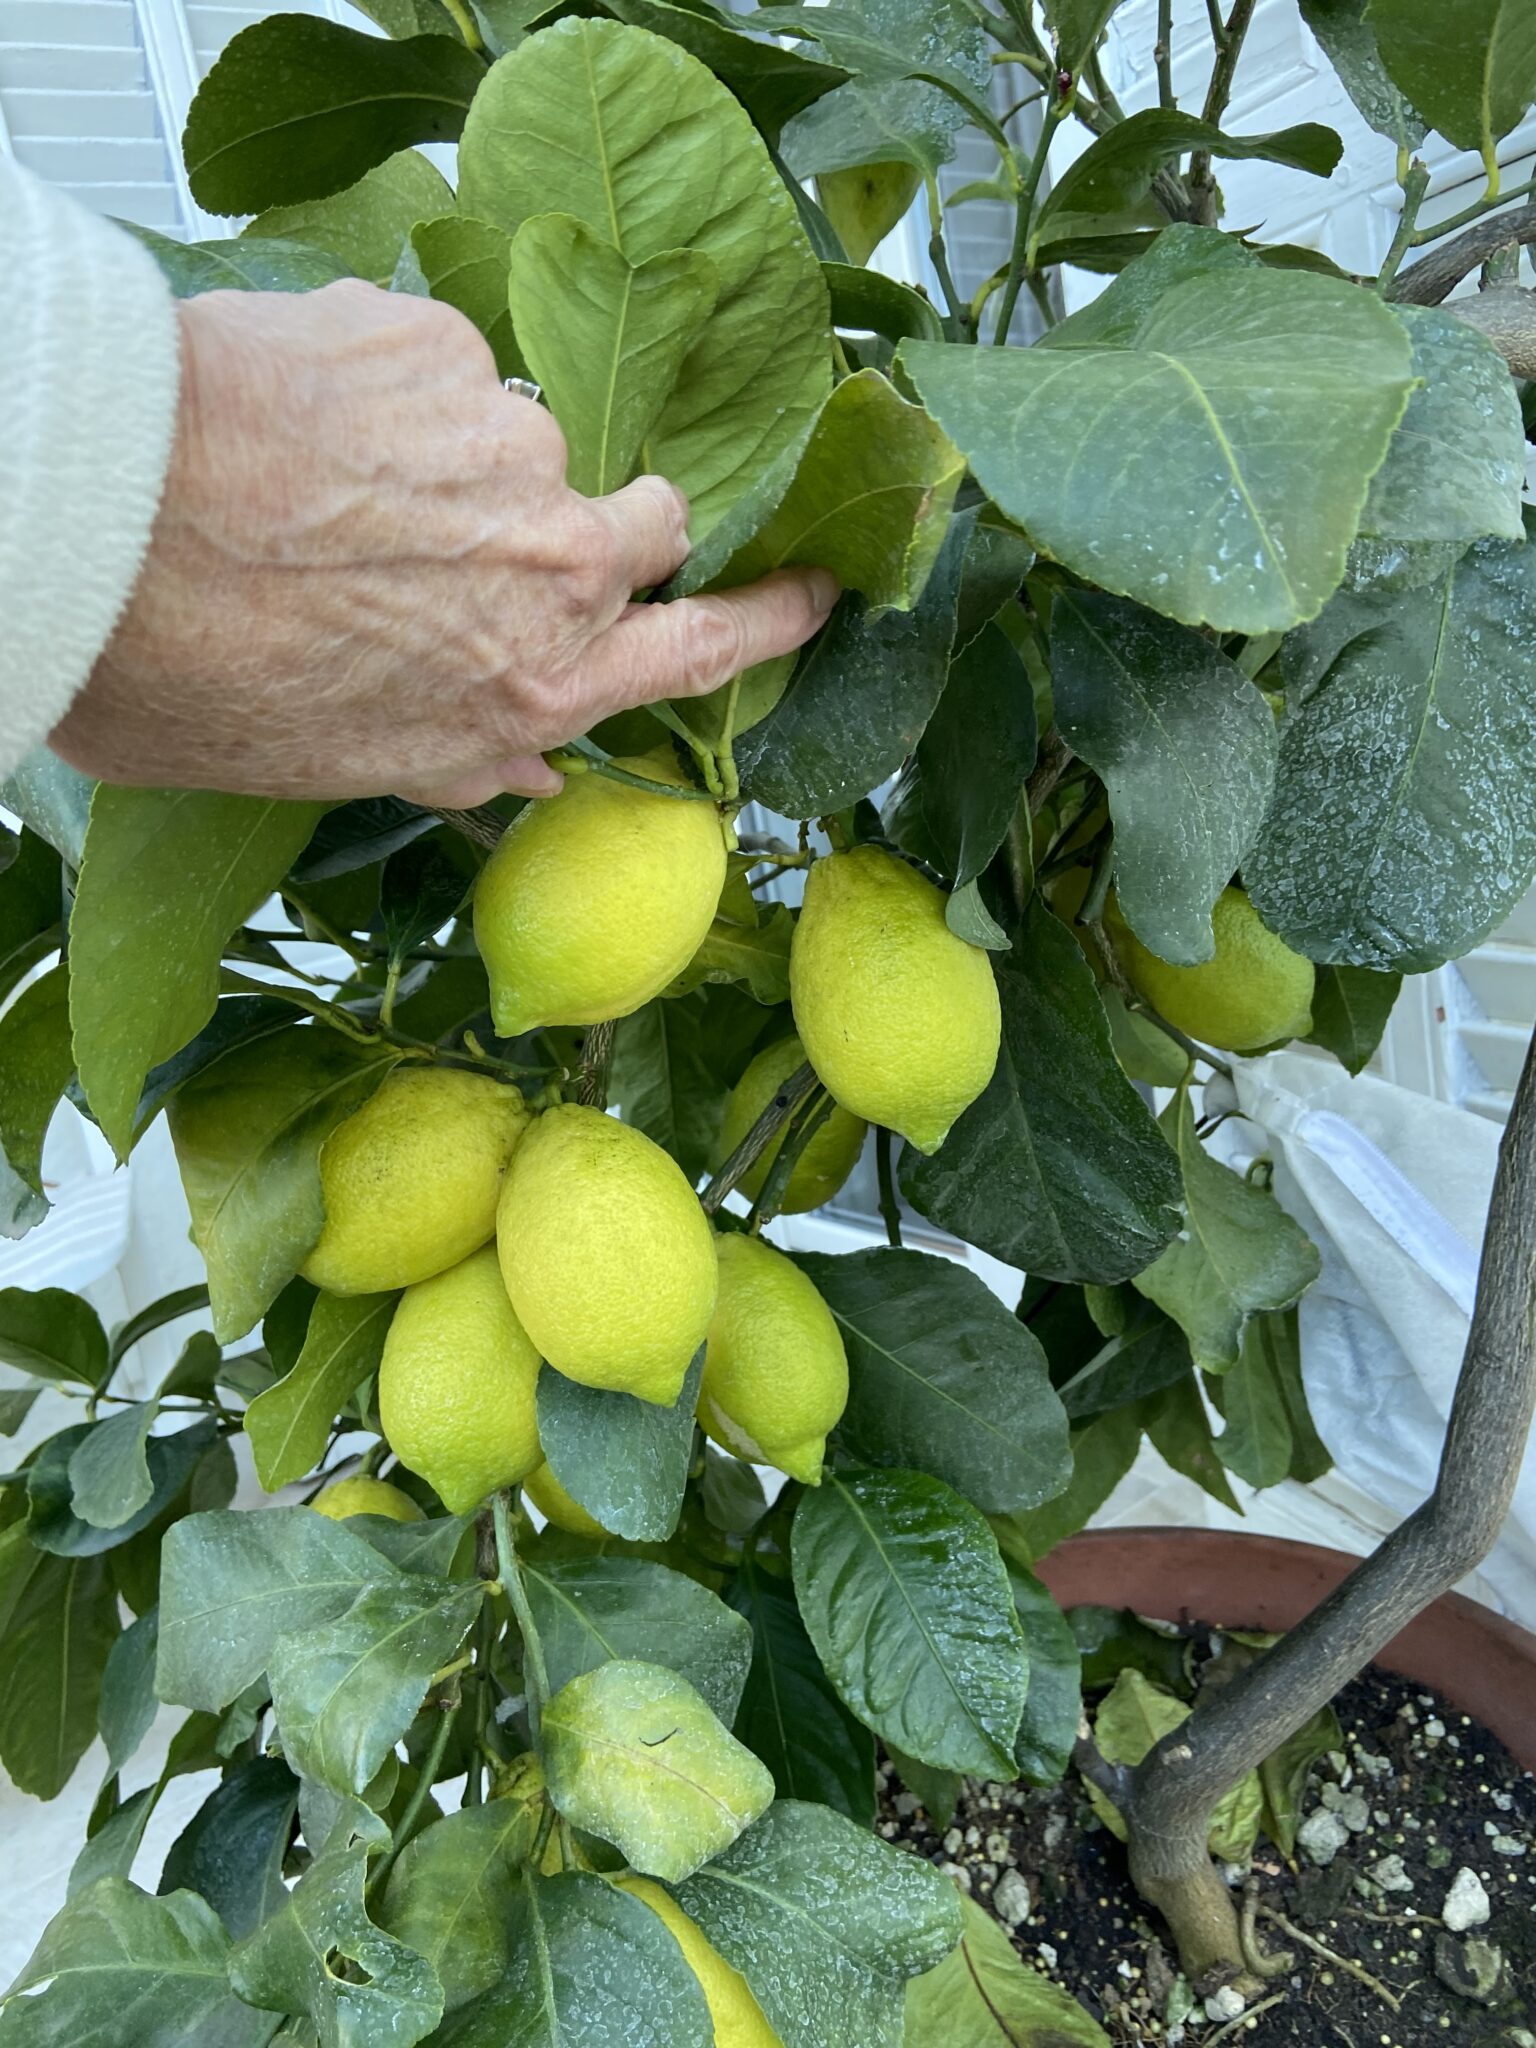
(562,1239)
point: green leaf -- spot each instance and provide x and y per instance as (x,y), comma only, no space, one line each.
(982,1996)
(624,1460)
(1131,1719)
(109,1475)
(1350,1008)
(1455,468)
(297,108)
(867,299)
(1257,1443)
(1144,1050)
(114,1847)
(664,1078)
(906,1599)
(755,954)
(186,1376)
(1349,43)
(965,792)
(859,700)
(430,1548)
(289,1424)
(569,123)
(1471,72)
(167,876)
(1148,1355)
(346,1690)
(465,263)
(1401,831)
(51,1517)
(588,1964)
(452,1894)
(942,1377)
(790,1716)
(289,1963)
(53,801)
(1115,173)
(634,1755)
(248,1128)
(1103,1451)
(233,1583)
(128,1704)
(1113,1639)
(865,201)
(589,1610)
(1186,747)
(900,122)
(61,1629)
(366,225)
(1179,1425)
(605,337)
(114,1951)
(1242,412)
(52,1334)
(1054,1703)
(192,268)
(1057,1168)
(772,82)
(232,1850)
(36,1062)
(826,1922)
(1238,1254)
(1077,26)
(1283,1775)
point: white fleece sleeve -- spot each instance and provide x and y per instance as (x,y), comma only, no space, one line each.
(89,362)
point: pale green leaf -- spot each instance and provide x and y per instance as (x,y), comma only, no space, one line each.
(1132,1718)
(452,1894)
(128,1704)
(367,225)
(982,1996)
(289,1424)
(466,263)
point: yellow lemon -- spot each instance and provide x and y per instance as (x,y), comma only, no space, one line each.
(900,1018)
(607,1256)
(556,1505)
(827,1160)
(738,2018)
(775,1372)
(456,1384)
(365,1497)
(411,1180)
(1255,991)
(597,898)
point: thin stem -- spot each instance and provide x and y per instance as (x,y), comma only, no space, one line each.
(1436,276)
(773,1119)
(1162,54)
(387,1000)
(576,760)
(1229,45)
(1415,186)
(541,1839)
(808,1121)
(1051,763)
(420,1794)
(535,1672)
(466,25)
(938,256)
(1023,216)
(1469,214)
(890,1207)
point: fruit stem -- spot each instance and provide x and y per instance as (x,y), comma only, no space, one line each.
(535,1672)
(890,1206)
(808,1120)
(778,1113)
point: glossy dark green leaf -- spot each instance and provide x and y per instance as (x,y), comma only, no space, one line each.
(588,1964)
(61,1629)
(1401,833)
(52,1334)
(358,834)
(51,1517)
(297,108)
(346,1690)
(772,81)
(1150,1352)
(905,1597)
(943,1377)
(859,699)
(591,1609)
(183,1301)
(1349,43)
(826,1923)
(624,1460)
(664,1078)
(233,1583)
(1238,1254)
(31,898)
(289,1424)
(1350,1008)
(1103,1451)
(248,1128)
(1471,72)
(288,1964)
(366,225)
(452,1894)
(1184,744)
(983,1996)
(231,1851)
(1057,1168)
(790,1714)
(128,1703)
(1054,1703)
(1113,1639)
(114,1951)
(422,887)
(1179,1425)
(36,1061)
(1242,413)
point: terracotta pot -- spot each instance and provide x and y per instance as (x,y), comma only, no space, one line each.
(1473,1658)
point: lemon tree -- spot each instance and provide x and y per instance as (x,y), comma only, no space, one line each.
(1179,701)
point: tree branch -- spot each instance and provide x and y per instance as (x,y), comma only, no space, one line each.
(1506,315)
(787,1099)
(1229,46)
(1433,280)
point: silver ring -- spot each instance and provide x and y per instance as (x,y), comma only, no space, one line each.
(521,387)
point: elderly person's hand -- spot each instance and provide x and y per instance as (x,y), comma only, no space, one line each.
(369,575)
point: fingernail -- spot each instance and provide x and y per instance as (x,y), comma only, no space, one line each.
(823,587)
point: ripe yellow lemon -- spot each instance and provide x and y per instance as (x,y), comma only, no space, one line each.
(597,898)
(900,1018)
(456,1384)
(365,1497)
(827,1160)
(411,1180)
(738,2018)
(556,1505)
(608,1258)
(1255,991)
(775,1372)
